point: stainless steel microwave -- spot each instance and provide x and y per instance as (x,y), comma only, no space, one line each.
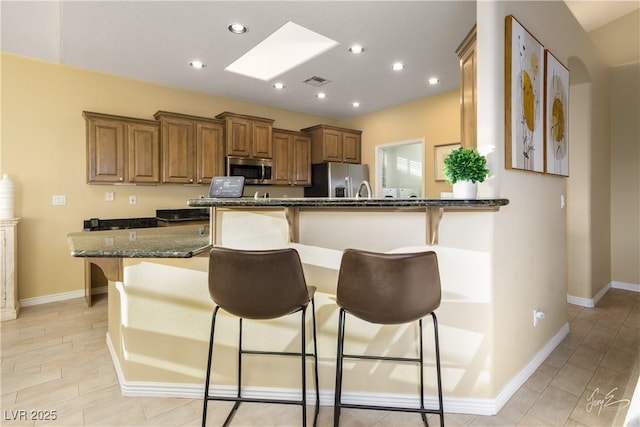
(254,171)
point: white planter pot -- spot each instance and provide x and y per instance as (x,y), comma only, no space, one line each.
(465,190)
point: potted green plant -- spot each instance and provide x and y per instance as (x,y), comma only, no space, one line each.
(464,168)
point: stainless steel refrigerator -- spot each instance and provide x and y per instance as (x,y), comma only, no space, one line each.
(336,179)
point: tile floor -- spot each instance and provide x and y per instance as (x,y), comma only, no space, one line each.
(54,357)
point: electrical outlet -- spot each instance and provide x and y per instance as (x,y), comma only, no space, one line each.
(133,200)
(537,316)
(59,200)
(109,196)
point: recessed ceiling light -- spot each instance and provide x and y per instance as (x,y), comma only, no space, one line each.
(355,104)
(321,95)
(278,85)
(237,28)
(397,66)
(288,47)
(434,81)
(197,64)
(356,49)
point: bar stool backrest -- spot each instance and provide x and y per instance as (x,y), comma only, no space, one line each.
(257,284)
(388,288)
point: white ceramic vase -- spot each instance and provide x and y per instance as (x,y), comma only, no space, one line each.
(7,193)
(465,190)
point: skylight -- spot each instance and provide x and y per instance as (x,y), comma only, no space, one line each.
(288,47)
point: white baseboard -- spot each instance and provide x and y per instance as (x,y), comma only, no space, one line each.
(456,405)
(587,302)
(590,303)
(519,379)
(27,302)
(626,286)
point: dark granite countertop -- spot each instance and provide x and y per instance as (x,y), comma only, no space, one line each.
(311,202)
(183,241)
(182,215)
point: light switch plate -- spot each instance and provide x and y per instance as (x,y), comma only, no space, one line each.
(59,200)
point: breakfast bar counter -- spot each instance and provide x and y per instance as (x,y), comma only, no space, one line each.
(160,308)
(433,208)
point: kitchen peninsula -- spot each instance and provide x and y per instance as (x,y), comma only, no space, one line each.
(160,309)
(434,208)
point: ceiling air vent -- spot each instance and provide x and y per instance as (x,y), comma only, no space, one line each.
(316,81)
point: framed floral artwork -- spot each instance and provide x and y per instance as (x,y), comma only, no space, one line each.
(556,116)
(524,92)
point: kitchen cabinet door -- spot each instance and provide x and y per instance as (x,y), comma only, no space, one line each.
(105,150)
(262,140)
(143,149)
(209,151)
(351,147)
(301,165)
(238,137)
(332,145)
(282,158)
(178,150)
(292,158)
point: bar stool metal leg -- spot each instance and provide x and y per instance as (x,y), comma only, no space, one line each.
(236,405)
(424,416)
(208,373)
(438,370)
(339,362)
(420,360)
(303,357)
(315,361)
(239,399)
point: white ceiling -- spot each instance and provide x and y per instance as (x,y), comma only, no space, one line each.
(596,13)
(155,40)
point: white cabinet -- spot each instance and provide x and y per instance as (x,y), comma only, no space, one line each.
(9,268)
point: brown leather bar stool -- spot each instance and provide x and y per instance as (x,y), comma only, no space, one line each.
(388,289)
(260,284)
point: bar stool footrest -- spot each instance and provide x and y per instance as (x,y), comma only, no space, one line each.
(253,400)
(390,408)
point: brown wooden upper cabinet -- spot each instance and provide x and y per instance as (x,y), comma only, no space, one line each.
(333,144)
(292,158)
(122,149)
(468,96)
(248,136)
(192,148)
